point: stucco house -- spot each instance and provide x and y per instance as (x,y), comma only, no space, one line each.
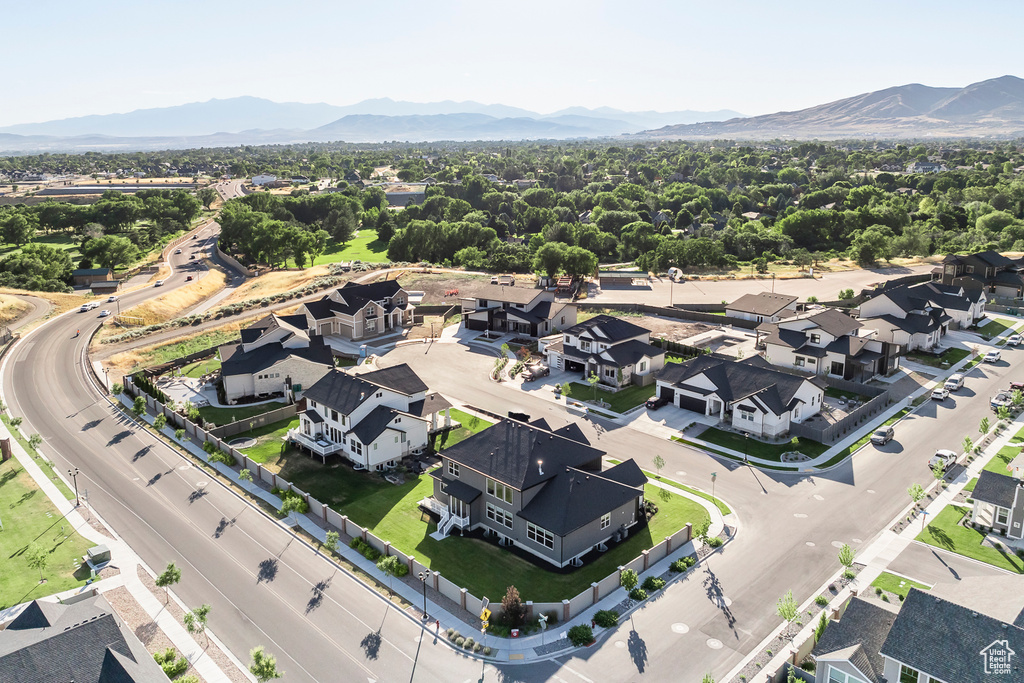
(543,491)
(827,342)
(276,355)
(988,271)
(762,307)
(999,503)
(373,419)
(617,351)
(911,319)
(965,307)
(520,310)
(357,312)
(750,395)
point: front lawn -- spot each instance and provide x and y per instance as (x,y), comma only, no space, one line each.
(945,532)
(760,449)
(969,487)
(470,425)
(897,584)
(268,439)
(30,519)
(1000,460)
(201,367)
(832,392)
(223,416)
(620,401)
(363,247)
(722,507)
(947,358)
(993,328)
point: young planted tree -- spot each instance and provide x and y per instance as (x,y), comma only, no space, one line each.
(195,621)
(390,566)
(968,444)
(939,470)
(179,434)
(512,607)
(659,462)
(263,666)
(984,426)
(38,558)
(819,630)
(170,576)
(1003,413)
(787,608)
(139,406)
(331,540)
(160,422)
(846,555)
(708,678)
(593,379)
(916,492)
(35,441)
(700,532)
(628,579)
(246,475)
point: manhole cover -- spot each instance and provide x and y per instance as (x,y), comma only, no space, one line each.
(714,643)
(680,628)
(809,544)
(185,466)
(620,644)
(871,490)
(856,540)
(799,515)
(202,484)
(837,544)
(818,497)
(681,473)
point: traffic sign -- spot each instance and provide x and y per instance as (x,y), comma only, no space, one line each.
(485,614)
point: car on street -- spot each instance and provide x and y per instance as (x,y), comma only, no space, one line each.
(1001,400)
(943,456)
(159,283)
(177,251)
(940,393)
(196,236)
(655,402)
(104,313)
(954,382)
(992,357)
(188,278)
(191,257)
(882,435)
(84,308)
(111,299)
(536,371)
(1014,340)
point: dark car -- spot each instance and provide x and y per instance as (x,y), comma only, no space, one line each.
(533,372)
(187,279)
(882,435)
(655,402)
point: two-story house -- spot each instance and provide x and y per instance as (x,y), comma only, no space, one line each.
(373,419)
(999,503)
(540,490)
(910,319)
(617,351)
(750,395)
(357,312)
(827,342)
(519,310)
(988,271)
(763,307)
(276,355)
(931,639)
(965,307)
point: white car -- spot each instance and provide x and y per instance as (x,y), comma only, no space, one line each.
(84,308)
(111,299)
(159,283)
(944,456)
(992,357)
(177,251)
(954,382)
(1014,340)
(104,313)
(940,393)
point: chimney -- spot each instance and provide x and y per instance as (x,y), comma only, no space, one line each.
(540,467)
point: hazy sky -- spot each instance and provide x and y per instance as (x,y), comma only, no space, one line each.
(75,58)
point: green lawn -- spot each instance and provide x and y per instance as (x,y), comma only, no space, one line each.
(832,392)
(969,487)
(1001,459)
(30,519)
(223,416)
(949,357)
(759,449)
(45,465)
(470,426)
(722,507)
(620,401)
(56,239)
(364,247)
(201,367)
(897,584)
(167,352)
(268,439)
(708,449)
(945,532)
(992,328)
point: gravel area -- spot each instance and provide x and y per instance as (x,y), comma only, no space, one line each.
(553,646)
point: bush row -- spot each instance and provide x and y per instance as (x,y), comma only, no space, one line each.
(365,549)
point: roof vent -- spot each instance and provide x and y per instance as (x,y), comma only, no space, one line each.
(540,467)
(362,395)
(974,614)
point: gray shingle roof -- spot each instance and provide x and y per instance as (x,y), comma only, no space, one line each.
(606,328)
(763,303)
(238,362)
(400,378)
(857,637)
(998,489)
(373,424)
(573,498)
(345,392)
(354,298)
(502,294)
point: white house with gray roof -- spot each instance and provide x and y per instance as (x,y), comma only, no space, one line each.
(523,311)
(357,312)
(999,503)
(617,351)
(762,307)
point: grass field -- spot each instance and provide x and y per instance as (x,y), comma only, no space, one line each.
(128,361)
(268,440)
(31,520)
(275,282)
(45,465)
(363,247)
(620,401)
(993,328)
(470,425)
(760,449)
(897,584)
(945,532)
(61,240)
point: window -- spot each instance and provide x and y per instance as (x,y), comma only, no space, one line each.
(334,415)
(380,394)
(970,269)
(499,516)
(541,536)
(609,373)
(584,345)
(837,676)
(837,368)
(398,420)
(799,361)
(499,491)
(453,468)
(357,447)
(744,415)
(566,340)
(643,366)
(815,338)
(908,675)
(374,446)
(312,404)
(371,325)
(1002,516)
(606,520)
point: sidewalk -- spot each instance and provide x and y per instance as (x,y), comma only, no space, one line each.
(127,561)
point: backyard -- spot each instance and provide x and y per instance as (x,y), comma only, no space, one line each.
(620,401)
(29,519)
(760,449)
(470,425)
(268,439)
(223,416)
(945,532)
(201,367)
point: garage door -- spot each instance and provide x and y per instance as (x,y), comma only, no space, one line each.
(668,393)
(697,405)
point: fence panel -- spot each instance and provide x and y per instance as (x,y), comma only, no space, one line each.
(580,602)
(608,584)
(334,519)
(449,590)
(637,564)
(239,426)
(475,605)
(267,476)
(657,553)
(375,543)
(681,537)
(542,607)
(855,387)
(354,530)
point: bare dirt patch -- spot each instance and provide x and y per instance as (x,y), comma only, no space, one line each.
(661,328)
(437,286)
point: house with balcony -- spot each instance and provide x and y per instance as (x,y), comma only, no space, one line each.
(356,312)
(749,395)
(276,355)
(941,636)
(617,351)
(911,319)
(543,491)
(373,419)
(518,310)
(988,271)
(827,342)
(763,307)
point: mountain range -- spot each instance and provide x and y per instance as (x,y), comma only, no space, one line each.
(994,107)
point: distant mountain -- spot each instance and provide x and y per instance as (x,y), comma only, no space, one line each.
(648,119)
(369,128)
(990,108)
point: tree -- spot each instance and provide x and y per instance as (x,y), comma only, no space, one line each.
(708,678)
(787,608)
(1017,398)
(139,406)
(389,565)
(512,607)
(160,422)
(170,576)
(659,462)
(700,532)
(846,294)
(331,540)
(939,470)
(984,425)
(35,441)
(179,434)
(968,444)
(593,379)
(1003,413)
(110,251)
(846,556)
(17,230)
(207,196)
(628,579)
(548,258)
(38,558)
(579,262)
(916,492)
(263,666)
(245,475)
(117,388)
(195,621)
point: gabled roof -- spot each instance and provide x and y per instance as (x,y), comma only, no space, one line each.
(763,303)
(399,378)
(620,355)
(946,296)
(374,424)
(857,637)
(510,294)
(914,323)
(345,392)
(235,361)
(574,498)
(270,323)
(998,489)
(354,298)
(946,640)
(992,258)
(509,452)
(833,322)
(606,328)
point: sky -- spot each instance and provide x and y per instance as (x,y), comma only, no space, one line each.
(75,58)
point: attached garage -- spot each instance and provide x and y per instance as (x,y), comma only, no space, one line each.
(697,405)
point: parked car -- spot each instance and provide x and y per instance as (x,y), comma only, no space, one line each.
(655,402)
(992,357)
(104,313)
(944,456)
(940,393)
(159,283)
(1000,400)
(84,308)
(111,299)
(882,436)
(954,382)
(1014,340)
(1016,386)
(536,371)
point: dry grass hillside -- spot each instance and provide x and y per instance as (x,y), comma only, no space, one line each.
(176,301)
(275,282)
(11,308)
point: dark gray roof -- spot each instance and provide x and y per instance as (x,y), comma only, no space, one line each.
(914,323)
(991,258)
(574,498)
(459,490)
(945,640)
(341,391)
(858,636)
(354,298)
(511,294)
(606,328)
(433,403)
(998,489)
(271,322)
(509,452)
(90,271)
(373,424)
(628,473)
(625,353)
(763,303)
(238,362)
(400,378)
(314,417)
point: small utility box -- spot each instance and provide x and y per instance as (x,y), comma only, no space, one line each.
(98,554)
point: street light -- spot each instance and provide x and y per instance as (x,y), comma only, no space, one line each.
(73,473)
(714,475)
(746,447)
(423,580)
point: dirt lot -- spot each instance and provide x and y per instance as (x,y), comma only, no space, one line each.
(661,328)
(437,284)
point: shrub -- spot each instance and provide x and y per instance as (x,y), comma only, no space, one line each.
(364,549)
(477,647)
(848,574)
(638,594)
(581,635)
(300,506)
(682,564)
(552,616)
(714,542)
(653,583)
(460,641)
(172,665)
(487,651)
(454,635)
(468,644)
(449,632)
(878,591)
(821,600)
(606,618)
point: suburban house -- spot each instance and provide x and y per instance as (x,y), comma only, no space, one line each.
(373,419)
(84,642)
(988,271)
(930,639)
(965,307)
(827,342)
(84,277)
(999,504)
(543,491)
(276,355)
(357,312)
(750,395)
(911,319)
(518,310)
(926,167)
(617,351)
(764,307)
